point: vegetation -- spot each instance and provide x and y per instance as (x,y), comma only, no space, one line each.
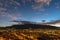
(29,34)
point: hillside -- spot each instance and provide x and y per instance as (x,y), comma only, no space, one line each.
(33,26)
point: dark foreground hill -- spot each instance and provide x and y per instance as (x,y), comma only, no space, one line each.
(33,26)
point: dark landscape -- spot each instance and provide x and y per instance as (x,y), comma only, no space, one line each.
(30,32)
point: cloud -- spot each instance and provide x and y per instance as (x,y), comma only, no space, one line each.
(9,3)
(15,2)
(43,1)
(4,4)
(57,5)
(24,1)
(39,4)
(54,22)
(5,10)
(4,13)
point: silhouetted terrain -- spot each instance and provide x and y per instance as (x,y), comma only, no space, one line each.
(33,26)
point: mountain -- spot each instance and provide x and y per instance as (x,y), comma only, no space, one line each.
(34,26)
(28,25)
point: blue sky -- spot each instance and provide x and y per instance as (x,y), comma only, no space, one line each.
(30,10)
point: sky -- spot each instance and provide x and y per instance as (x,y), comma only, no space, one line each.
(30,10)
